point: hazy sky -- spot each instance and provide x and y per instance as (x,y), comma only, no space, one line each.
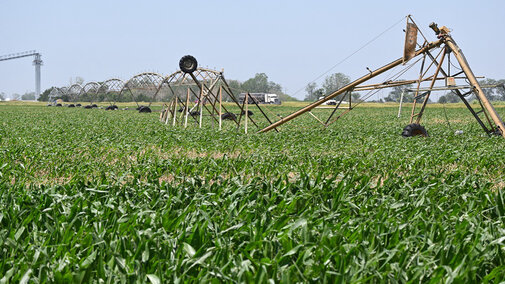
(293,42)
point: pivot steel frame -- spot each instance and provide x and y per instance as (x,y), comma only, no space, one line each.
(449,46)
(208,87)
(350,86)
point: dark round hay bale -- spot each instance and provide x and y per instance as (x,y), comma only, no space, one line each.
(228,116)
(145,109)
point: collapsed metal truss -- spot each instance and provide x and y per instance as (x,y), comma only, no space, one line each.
(89,92)
(74,92)
(199,94)
(490,121)
(202,90)
(56,93)
(110,91)
(142,87)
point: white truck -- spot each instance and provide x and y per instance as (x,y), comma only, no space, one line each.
(260,98)
(331,102)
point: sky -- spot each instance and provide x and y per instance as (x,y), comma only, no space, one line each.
(293,42)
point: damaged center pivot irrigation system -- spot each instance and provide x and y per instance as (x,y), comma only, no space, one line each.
(432,70)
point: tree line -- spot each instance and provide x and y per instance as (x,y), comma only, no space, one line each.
(331,83)
(28,96)
(259,84)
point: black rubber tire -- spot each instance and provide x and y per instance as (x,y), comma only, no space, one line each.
(78,105)
(194,113)
(94,106)
(181,109)
(71,105)
(58,105)
(228,116)
(249,113)
(145,109)
(88,107)
(414,129)
(114,107)
(109,108)
(49,105)
(188,64)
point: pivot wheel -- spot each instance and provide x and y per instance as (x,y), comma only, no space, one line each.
(188,64)
(228,116)
(144,109)
(414,129)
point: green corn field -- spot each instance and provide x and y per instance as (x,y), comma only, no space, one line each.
(94,196)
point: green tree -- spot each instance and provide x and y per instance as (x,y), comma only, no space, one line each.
(449,98)
(396,93)
(355,96)
(44,97)
(496,93)
(236,88)
(334,82)
(257,84)
(310,89)
(28,96)
(260,84)
(500,90)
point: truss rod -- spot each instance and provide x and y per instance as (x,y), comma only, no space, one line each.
(349,86)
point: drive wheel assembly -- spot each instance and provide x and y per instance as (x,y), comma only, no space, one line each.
(188,64)
(414,129)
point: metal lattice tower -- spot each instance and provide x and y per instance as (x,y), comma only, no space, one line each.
(37,62)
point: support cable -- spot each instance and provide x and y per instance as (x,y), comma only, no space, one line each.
(352,54)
